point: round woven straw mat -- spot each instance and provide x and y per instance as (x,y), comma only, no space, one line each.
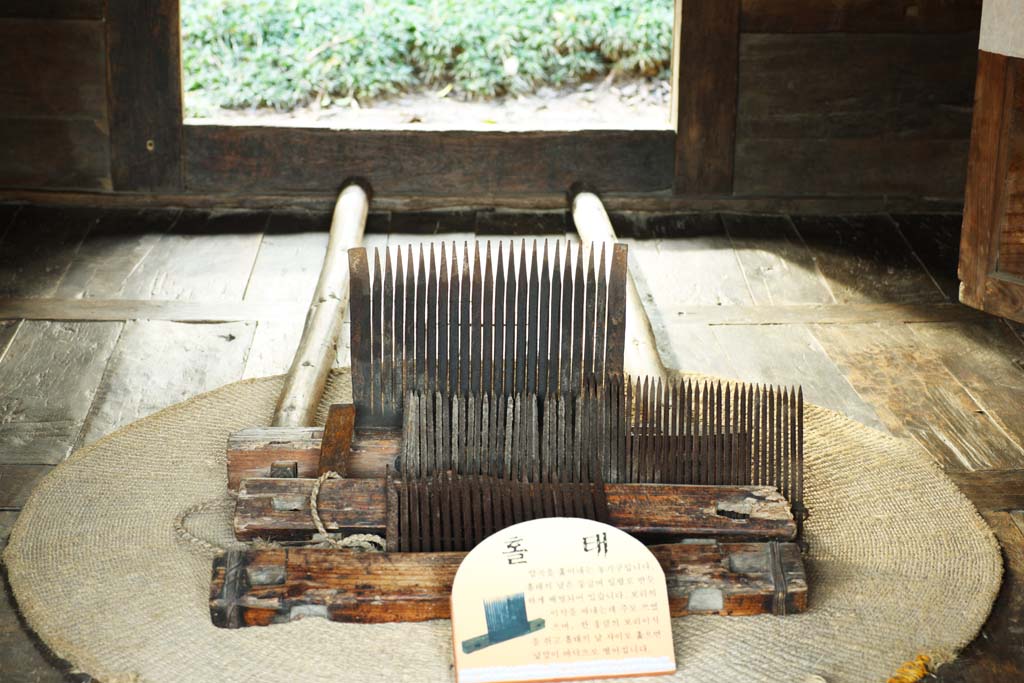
(900,564)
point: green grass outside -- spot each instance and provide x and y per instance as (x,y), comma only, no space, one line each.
(290,53)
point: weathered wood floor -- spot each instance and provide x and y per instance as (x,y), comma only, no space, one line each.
(106,316)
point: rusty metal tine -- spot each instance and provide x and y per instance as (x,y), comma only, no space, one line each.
(421,323)
(458,452)
(511,292)
(453,499)
(578,315)
(629,470)
(510,404)
(454,321)
(702,426)
(435,509)
(405,533)
(533,334)
(518,420)
(376,327)
(431,331)
(410,432)
(616,344)
(359,309)
(487,326)
(600,328)
(414,513)
(442,500)
(409,338)
(391,534)
(515,491)
(387,308)
(500,322)
(555,329)
(533,439)
(678,439)
(726,436)
(487,505)
(660,458)
(577,447)
(442,455)
(460,502)
(473,451)
(734,449)
(398,385)
(524,326)
(509,515)
(771,433)
(645,425)
(476,325)
(779,440)
(443,325)
(467,329)
(800,457)
(568,297)
(718,436)
(589,338)
(496,425)
(543,317)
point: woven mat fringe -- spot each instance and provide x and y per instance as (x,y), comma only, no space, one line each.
(900,564)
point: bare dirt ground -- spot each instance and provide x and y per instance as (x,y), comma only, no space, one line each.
(609,103)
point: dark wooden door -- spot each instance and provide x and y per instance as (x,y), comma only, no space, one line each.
(992,242)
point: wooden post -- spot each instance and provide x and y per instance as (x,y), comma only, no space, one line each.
(304,384)
(593,225)
(705,77)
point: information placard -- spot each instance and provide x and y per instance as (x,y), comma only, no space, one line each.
(560,599)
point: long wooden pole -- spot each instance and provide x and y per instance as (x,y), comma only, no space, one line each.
(304,384)
(593,225)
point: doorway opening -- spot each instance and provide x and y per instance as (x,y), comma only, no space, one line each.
(428,64)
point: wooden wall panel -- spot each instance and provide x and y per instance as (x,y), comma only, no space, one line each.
(869,16)
(856,86)
(53,9)
(53,102)
(1011,234)
(992,240)
(704,80)
(52,68)
(264,159)
(854,114)
(145,95)
(54,154)
(857,166)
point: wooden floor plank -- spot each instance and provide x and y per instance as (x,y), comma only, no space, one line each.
(112,251)
(290,257)
(48,379)
(935,238)
(40,244)
(204,257)
(7,519)
(24,659)
(913,393)
(988,359)
(789,355)
(865,259)
(830,314)
(695,348)
(993,490)
(778,266)
(996,656)
(17,482)
(156,364)
(697,268)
